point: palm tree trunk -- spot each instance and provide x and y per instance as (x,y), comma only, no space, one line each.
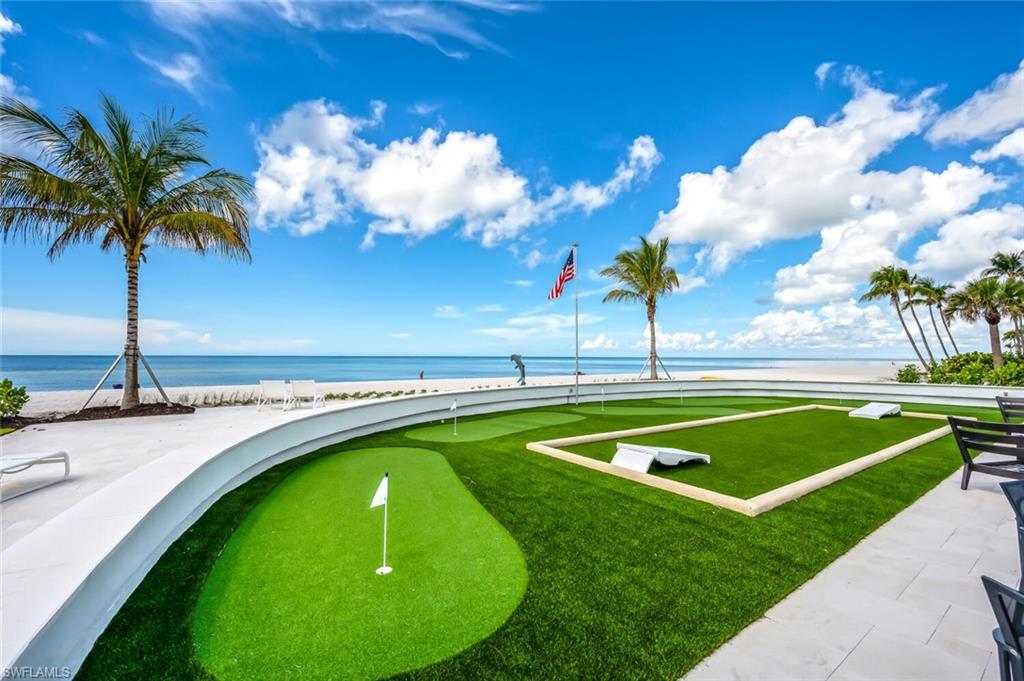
(920,330)
(945,323)
(931,312)
(996,341)
(130,397)
(903,323)
(654,345)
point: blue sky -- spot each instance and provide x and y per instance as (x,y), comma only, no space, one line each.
(786,150)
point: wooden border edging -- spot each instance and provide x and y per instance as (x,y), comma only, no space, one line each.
(758,504)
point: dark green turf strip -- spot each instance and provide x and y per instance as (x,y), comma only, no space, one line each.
(294,592)
(686,412)
(489,427)
(754,456)
(721,401)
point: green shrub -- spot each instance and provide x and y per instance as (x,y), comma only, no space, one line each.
(1011,373)
(12,399)
(908,374)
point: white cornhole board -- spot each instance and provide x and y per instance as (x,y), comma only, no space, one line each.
(876,410)
(633,460)
(666,456)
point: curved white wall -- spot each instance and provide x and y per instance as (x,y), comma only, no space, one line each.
(53,615)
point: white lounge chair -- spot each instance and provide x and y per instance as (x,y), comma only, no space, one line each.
(307,391)
(16,463)
(274,391)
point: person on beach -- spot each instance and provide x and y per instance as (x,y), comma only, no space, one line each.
(421,374)
(518,361)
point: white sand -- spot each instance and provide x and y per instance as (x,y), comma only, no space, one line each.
(64,401)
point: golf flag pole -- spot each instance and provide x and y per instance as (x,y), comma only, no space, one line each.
(576,290)
(455,417)
(380,498)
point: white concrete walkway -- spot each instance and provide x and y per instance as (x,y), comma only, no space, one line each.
(906,603)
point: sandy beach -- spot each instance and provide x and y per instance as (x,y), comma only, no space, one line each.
(65,401)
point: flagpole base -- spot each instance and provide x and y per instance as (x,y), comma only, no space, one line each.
(384,570)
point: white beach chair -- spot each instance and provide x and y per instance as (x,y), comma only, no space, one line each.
(274,391)
(16,463)
(307,391)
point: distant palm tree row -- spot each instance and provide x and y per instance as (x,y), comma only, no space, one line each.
(996,295)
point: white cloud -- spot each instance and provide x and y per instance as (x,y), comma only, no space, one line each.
(965,244)
(316,169)
(488,308)
(547,325)
(7,27)
(678,340)
(401,335)
(688,283)
(988,112)
(185,70)
(1011,146)
(423,108)
(521,283)
(821,73)
(836,325)
(437,25)
(533,258)
(448,312)
(92,38)
(599,342)
(34,331)
(793,182)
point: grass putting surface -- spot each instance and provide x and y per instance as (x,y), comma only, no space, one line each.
(721,401)
(294,592)
(474,429)
(683,412)
(758,455)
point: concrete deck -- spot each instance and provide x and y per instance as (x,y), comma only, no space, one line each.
(904,604)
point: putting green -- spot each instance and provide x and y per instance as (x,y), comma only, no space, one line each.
(294,593)
(719,401)
(687,411)
(488,428)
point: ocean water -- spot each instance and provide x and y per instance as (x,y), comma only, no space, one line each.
(80,372)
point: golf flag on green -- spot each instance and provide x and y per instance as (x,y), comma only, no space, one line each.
(380,498)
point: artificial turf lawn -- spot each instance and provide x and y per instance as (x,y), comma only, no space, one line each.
(295,593)
(487,428)
(625,581)
(743,401)
(680,411)
(758,455)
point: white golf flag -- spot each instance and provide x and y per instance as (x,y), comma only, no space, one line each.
(455,403)
(381,497)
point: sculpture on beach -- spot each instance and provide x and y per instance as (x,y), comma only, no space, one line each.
(518,361)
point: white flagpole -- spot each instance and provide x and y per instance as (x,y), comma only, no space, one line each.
(576,282)
(455,417)
(384,487)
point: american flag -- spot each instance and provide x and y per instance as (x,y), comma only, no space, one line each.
(568,273)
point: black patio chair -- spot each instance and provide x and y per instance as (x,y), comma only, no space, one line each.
(1014,491)
(989,438)
(1008,606)
(1011,408)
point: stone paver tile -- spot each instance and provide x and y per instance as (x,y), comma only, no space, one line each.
(881,656)
(937,584)
(963,632)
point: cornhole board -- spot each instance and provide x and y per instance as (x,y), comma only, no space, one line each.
(667,456)
(876,410)
(633,460)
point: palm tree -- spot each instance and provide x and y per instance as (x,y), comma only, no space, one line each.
(911,304)
(940,295)
(1009,267)
(1013,304)
(128,187)
(983,298)
(645,276)
(926,293)
(890,283)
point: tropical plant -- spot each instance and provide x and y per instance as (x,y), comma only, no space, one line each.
(12,399)
(908,373)
(925,292)
(1010,268)
(645,276)
(982,298)
(891,283)
(128,187)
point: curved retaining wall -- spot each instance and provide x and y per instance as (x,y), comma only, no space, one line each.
(48,627)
